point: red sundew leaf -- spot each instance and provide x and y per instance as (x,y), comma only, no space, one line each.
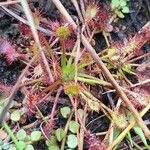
(95,143)
(138,100)
(5,88)
(103,18)
(133,44)
(60,29)
(92,9)
(97,16)
(32,101)
(47,129)
(140,95)
(143,72)
(27,32)
(9,51)
(69,43)
(5,46)
(25,29)
(143,89)
(12,56)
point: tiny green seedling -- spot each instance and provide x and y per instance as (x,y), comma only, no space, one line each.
(60,134)
(22,137)
(65,111)
(15,115)
(6,146)
(72,141)
(73,126)
(120,7)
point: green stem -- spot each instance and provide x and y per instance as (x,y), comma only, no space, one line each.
(92,80)
(9,131)
(66,130)
(40,113)
(137,146)
(63,57)
(70,61)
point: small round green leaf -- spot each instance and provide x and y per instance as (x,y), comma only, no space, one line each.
(65,111)
(73,126)
(72,141)
(123,3)
(115,3)
(120,14)
(21,135)
(12,147)
(52,141)
(21,145)
(125,9)
(29,147)
(53,147)
(27,139)
(6,146)
(36,136)
(59,134)
(15,116)
(81,112)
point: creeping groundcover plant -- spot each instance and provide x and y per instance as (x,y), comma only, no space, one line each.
(76,93)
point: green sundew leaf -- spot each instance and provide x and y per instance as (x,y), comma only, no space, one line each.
(65,111)
(21,145)
(73,126)
(29,147)
(12,147)
(125,9)
(123,3)
(115,3)
(68,73)
(15,116)
(52,141)
(71,89)
(59,134)
(53,147)
(139,132)
(36,136)
(127,68)
(72,141)
(21,135)
(120,14)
